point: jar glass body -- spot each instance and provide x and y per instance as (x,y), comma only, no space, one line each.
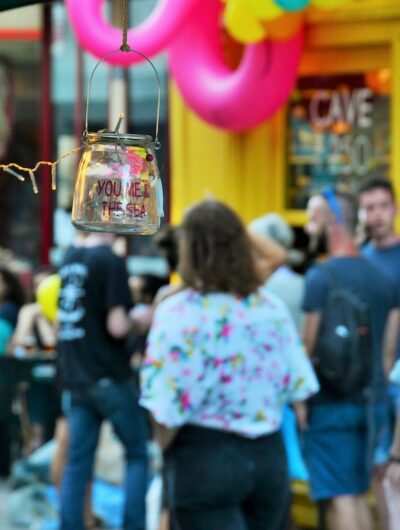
(116,188)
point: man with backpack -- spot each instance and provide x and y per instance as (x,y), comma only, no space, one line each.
(349,332)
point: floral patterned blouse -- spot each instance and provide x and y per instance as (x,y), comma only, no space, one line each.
(224,362)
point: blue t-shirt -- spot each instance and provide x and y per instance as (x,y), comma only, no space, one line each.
(359,275)
(388,261)
(8,321)
(9,312)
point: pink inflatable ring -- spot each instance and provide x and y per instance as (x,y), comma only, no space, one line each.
(95,35)
(235,100)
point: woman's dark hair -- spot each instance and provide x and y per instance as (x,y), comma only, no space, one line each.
(215,251)
(167,241)
(15,291)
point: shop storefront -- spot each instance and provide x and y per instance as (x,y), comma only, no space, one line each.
(340,126)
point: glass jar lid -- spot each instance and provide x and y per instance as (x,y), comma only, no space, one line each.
(111,137)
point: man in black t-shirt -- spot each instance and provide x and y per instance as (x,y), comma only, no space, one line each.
(96,376)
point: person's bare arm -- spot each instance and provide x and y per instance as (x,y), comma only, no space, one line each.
(163,435)
(118,322)
(393,471)
(301,411)
(395,449)
(310,330)
(268,255)
(46,331)
(25,324)
(389,346)
(390,339)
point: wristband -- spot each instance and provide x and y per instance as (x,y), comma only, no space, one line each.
(394,459)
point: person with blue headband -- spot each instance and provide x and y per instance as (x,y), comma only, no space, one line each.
(338,440)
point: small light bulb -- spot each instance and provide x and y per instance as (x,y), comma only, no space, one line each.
(33,180)
(53,177)
(14,173)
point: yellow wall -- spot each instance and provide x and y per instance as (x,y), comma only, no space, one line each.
(247,170)
(206,162)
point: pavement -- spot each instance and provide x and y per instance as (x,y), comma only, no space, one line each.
(152,506)
(4,500)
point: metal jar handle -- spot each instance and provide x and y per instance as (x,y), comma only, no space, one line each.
(157,143)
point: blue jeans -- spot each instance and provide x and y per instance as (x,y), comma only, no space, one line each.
(221,481)
(85,410)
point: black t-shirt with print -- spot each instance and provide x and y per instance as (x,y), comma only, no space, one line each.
(93,281)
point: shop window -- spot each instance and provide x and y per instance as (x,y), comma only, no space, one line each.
(338,133)
(20,137)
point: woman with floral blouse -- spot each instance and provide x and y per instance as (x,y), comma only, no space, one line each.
(223,358)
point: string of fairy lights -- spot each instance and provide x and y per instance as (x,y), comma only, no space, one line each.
(18,171)
(8,168)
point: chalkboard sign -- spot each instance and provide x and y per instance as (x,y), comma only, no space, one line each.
(338,133)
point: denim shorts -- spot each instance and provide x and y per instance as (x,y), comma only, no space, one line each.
(339,447)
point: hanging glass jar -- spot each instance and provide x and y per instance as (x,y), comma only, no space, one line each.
(118,186)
